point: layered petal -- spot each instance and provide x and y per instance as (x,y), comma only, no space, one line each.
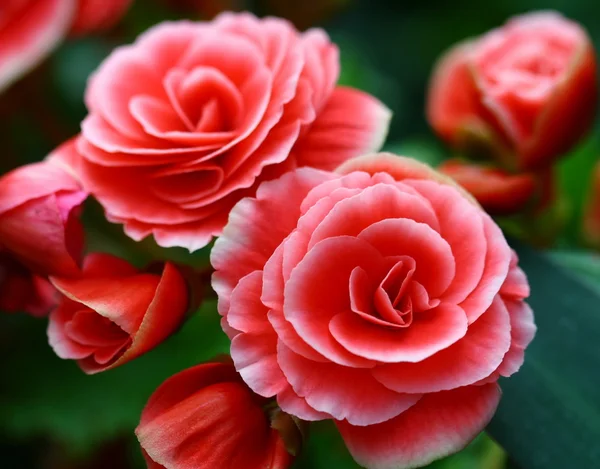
(39,205)
(352,123)
(438,425)
(204,417)
(222,107)
(342,392)
(111,314)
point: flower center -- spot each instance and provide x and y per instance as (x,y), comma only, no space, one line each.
(204,99)
(392,301)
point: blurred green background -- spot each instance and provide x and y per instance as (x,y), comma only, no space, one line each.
(52,416)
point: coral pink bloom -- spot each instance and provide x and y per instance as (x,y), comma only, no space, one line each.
(188,120)
(206,418)
(382,297)
(527,90)
(39,204)
(21,290)
(112,313)
(498,192)
(97,15)
(29,30)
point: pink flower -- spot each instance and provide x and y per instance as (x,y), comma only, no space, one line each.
(97,15)
(39,207)
(527,91)
(192,116)
(206,418)
(382,297)
(29,30)
(113,313)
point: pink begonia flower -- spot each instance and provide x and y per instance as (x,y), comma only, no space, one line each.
(191,117)
(381,296)
(526,90)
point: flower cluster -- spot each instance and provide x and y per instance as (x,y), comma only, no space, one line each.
(360,287)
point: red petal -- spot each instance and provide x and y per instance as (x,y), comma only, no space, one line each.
(438,425)
(318,289)
(235,253)
(453,100)
(475,356)
(204,418)
(430,332)
(342,392)
(28,37)
(352,123)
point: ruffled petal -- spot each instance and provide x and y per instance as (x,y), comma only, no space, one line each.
(438,425)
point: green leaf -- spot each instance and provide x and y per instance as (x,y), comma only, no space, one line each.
(549,416)
(574,173)
(584,264)
(45,395)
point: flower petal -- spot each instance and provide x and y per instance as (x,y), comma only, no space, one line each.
(342,392)
(352,123)
(438,425)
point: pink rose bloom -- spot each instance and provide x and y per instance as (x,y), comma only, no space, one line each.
(192,116)
(29,30)
(527,90)
(382,297)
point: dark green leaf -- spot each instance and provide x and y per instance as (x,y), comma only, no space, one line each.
(549,416)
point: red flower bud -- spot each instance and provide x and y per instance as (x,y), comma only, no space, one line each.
(23,291)
(113,313)
(206,418)
(498,192)
(38,218)
(526,91)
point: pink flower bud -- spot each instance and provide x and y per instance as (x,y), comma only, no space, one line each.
(205,417)
(525,92)
(498,192)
